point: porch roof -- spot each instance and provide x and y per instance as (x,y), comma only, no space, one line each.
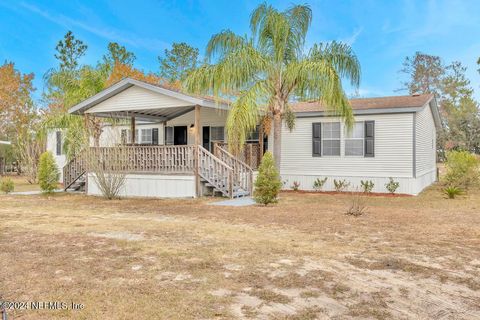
(145,101)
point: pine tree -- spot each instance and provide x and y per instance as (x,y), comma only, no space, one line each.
(48,173)
(268,182)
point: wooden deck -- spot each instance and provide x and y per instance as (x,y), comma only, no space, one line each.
(224,173)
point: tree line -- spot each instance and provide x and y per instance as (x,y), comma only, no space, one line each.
(455,95)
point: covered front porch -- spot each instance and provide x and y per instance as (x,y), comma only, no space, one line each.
(166,136)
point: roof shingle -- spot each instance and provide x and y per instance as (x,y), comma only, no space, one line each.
(369,103)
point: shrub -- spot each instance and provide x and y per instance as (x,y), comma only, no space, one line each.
(357,204)
(340,185)
(319,183)
(6,185)
(463,169)
(267,184)
(392,185)
(452,192)
(295,185)
(367,185)
(48,173)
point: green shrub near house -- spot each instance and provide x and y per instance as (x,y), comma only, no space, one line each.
(463,170)
(268,183)
(48,173)
(6,185)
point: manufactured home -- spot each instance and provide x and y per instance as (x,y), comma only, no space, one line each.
(174,144)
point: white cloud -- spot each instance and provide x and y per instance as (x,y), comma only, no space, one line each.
(351,39)
(105,32)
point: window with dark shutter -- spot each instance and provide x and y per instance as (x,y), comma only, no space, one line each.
(317,139)
(369,139)
(155,136)
(59,143)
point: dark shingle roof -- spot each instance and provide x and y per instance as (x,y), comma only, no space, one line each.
(414,101)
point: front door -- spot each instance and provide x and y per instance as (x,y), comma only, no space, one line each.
(206,138)
(180,135)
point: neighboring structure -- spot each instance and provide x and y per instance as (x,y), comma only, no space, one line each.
(168,156)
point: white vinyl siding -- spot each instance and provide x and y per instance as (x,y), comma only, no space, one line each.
(208,117)
(425,142)
(393,149)
(136,98)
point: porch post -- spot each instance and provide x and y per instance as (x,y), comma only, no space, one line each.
(197,143)
(260,142)
(132,130)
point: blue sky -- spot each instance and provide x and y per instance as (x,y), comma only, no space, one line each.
(382,33)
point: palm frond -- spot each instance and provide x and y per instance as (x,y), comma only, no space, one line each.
(319,80)
(341,56)
(244,114)
(224,43)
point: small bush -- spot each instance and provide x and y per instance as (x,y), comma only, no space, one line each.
(268,183)
(319,183)
(340,185)
(357,205)
(6,185)
(452,192)
(48,173)
(463,169)
(367,185)
(392,185)
(295,185)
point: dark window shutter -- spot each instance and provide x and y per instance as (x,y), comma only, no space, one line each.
(155,136)
(369,139)
(59,143)
(317,139)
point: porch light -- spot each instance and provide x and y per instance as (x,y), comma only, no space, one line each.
(192,129)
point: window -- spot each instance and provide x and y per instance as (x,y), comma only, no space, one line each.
(58,135)
(146,136)
(354,140)
(169,135)
(217,133)
(331,139)
(253,136)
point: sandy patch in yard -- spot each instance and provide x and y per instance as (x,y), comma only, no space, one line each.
(118,236)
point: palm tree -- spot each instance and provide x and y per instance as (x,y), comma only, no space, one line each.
(271,68)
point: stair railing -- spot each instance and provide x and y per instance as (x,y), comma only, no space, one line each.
(215,171)
(74,169)
(243,173)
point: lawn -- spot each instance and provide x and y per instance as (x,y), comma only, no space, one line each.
(407,257)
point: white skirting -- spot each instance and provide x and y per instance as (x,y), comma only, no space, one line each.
(408,185)
(151,185)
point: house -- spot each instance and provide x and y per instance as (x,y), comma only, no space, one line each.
(167,156)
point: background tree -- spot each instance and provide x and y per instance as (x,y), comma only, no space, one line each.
(176,63)
(460,112)
(121,71)
(267,70)
(69,51)
(424,72)
(117,54)
(19,119)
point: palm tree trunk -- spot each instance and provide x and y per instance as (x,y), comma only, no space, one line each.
(277,139)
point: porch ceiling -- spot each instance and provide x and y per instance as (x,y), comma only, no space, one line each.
(160,114)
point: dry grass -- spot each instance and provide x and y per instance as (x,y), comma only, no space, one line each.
(407,257)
